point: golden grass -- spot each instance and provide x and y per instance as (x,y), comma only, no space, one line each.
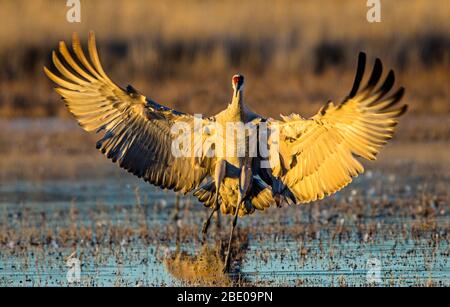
(296,54)
(34,21)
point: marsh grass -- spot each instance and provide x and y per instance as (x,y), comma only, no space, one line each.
(182,53)
(410,232)
(398,209)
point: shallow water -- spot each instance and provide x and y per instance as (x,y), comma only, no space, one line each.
(390,227)
(329,243)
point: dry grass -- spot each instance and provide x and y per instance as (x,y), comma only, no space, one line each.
(200,20)
(182,53)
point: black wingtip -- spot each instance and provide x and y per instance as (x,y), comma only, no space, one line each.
(389,82)
(396,97)
(400,93)
(359,74)
(376,74)
(385,87)
(403,110)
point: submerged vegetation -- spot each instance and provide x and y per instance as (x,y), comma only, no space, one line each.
(61,198)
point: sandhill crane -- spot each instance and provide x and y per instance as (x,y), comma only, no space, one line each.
(316,156)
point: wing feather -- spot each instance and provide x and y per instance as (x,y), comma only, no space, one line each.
(319,154)
(135,130)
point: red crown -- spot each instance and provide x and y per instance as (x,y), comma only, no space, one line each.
(238,80)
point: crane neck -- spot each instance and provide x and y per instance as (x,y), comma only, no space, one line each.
(237,105)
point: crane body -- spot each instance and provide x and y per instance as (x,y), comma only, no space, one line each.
(316,156)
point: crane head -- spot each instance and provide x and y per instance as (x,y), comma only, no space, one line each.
(237,82)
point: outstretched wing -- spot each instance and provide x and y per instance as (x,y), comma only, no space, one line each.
(318,156)
(136,131)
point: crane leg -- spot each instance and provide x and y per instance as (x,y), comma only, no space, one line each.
(226,267)
(218,224)
(208,220)
(244,185)
(177,207)
(219,174)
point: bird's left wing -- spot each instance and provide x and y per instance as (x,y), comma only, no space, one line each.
(318,156)
(136,130)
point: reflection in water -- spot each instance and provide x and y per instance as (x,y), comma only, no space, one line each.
(205,267)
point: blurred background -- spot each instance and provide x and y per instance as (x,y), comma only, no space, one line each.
(296,55)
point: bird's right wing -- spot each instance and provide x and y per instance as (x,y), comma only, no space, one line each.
(136,130)
(318,156)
